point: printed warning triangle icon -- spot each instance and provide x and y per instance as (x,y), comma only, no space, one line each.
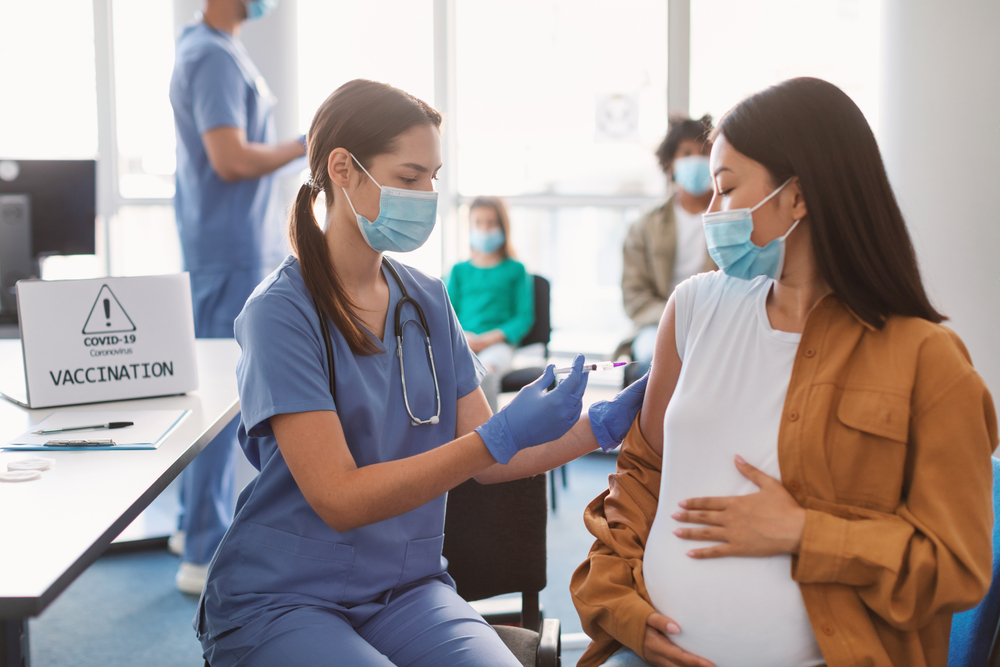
(107,315)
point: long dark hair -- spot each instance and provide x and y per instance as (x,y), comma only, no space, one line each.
(811,129)
(363,117)
(496,205)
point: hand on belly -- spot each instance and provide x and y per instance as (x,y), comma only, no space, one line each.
(766,523)
(660,651)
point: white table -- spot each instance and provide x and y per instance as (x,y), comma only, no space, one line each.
(54,528)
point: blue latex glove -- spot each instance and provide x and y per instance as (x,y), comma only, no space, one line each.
(536,416)
(611,420)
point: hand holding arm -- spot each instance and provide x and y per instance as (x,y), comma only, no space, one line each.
(536,416)
(612,419)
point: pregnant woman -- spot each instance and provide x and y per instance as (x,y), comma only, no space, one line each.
(809,481)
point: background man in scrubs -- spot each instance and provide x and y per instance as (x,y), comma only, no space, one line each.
(226,153)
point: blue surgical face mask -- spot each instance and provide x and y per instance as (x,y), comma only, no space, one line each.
(693,174)
(405,218)
(486,242)
(257,9)
(729,244)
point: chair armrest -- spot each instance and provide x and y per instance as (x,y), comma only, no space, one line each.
(549,653)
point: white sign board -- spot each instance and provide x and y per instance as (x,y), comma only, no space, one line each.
(108,339)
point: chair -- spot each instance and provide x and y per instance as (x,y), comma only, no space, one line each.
(494,540)
(975,633)
(540,333)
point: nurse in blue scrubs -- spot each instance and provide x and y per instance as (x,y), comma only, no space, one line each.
(361,408)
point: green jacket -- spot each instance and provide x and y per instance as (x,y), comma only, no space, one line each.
(499,297)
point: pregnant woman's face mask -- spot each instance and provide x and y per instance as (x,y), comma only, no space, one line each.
(727,234)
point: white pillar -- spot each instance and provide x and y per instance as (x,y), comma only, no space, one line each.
(940,139)
(445,102)
(107,139)
(272,43)
(273,46)
(679,57)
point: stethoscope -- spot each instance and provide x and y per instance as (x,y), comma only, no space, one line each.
(405,299)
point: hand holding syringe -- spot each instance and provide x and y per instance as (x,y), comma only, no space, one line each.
(599,366)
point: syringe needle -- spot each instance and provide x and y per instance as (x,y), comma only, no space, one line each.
(599,366)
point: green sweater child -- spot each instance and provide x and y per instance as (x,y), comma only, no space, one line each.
(492,294)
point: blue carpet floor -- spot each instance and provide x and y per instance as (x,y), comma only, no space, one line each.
(125,610)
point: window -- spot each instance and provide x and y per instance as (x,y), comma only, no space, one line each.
(144,60)
(144,241)
(579,250)
(560,106)
(383,40)
(738,48)
(560,96)
(48,87)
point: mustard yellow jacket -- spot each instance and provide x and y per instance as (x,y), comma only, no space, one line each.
(885,440)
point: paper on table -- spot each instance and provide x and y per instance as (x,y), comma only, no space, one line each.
(150,429)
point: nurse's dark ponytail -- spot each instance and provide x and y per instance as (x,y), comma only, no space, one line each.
(363,117)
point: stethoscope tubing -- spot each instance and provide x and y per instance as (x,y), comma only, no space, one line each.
(398,324)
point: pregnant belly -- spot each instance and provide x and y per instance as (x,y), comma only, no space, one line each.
(736,612)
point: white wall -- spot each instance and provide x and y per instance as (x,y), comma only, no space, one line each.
(940,137)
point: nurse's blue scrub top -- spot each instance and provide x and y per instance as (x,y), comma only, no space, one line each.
(215,84)
(278,551)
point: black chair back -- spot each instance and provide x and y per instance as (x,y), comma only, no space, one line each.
(494,540)
(541,330)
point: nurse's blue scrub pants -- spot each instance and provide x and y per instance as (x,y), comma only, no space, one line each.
(206,494)
(427,625)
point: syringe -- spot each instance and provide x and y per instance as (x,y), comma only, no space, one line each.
(599,366)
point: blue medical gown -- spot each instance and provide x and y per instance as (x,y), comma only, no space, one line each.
(278,551)
(215,84)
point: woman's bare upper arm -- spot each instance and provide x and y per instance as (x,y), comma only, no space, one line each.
(663,376)
(315,450)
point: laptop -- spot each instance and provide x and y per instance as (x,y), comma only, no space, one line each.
(12,386)
(106,339)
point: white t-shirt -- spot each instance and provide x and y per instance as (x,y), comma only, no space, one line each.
(736,612)
(691,245)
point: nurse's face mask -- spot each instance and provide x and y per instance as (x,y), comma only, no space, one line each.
(728,236)
(405,218)
(257,9)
